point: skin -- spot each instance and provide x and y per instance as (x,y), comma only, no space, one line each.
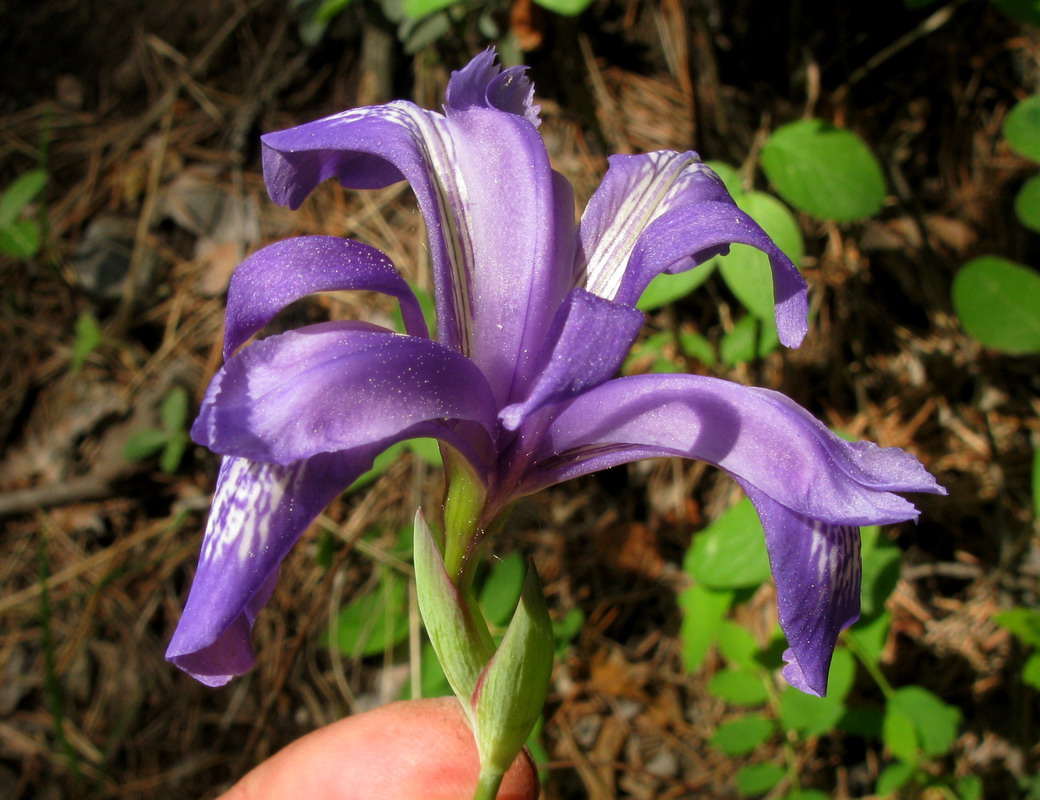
(411,750)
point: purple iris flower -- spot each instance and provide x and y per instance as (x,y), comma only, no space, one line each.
(534,316)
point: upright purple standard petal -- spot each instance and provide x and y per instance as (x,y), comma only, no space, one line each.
(483,84)
(280,273)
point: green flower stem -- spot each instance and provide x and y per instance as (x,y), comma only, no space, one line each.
(463,505)
(487,785)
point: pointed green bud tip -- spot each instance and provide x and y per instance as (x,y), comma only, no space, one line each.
(511,690)
(456,628)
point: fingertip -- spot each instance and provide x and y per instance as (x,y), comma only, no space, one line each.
(405,751)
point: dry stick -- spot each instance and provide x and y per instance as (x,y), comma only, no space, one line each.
(30,593)
(197,66)
(929,25)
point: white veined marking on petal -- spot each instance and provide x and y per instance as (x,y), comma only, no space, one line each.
(242,511)
(647,200)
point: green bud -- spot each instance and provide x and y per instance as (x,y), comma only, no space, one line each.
(511,690)
(457,630)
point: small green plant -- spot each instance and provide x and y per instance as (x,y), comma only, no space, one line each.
(998,303)
(88,339)
(20,234)
(171,440)
(997,300)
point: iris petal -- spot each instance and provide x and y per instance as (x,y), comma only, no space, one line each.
(757,435)
(635,191)
(259,511)
(285,271)
(336,386)
(689,235)
(817,570)
(586,346)
(668,212)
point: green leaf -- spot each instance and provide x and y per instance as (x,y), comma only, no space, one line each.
(703,610)
(330,8)
(969,787)
(742,735)
(374,622)
(998,302)
(1031,671)
(143,444)
(894,777)
(737,645)
(19,194)
(758,779)
(20,239)
(739,688)
(806,794)
(881,562)
(174,410)
(666,288)
(567,8)
(1027,204)
(825,171)
(566,629)
(815,716)
(1023,622)
(866,723)
(870,635)
(1023,10)
(501,589)
(934,721)
(696,346)
(173,453)
(746,269)
(740,345)
(899,734)
(88,339)
(731,552)
(429,450)
(417,9)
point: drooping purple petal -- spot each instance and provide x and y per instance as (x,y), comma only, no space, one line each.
(758,436)
(259,511)
(688,235)
(482,83)
(336,386)
(635,191)
(589,339)
(817,570)
(285,271)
